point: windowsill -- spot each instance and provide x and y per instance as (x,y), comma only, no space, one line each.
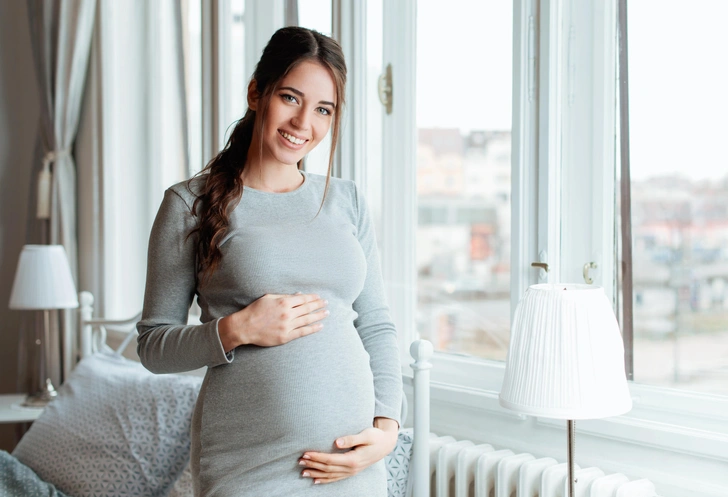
(663,425)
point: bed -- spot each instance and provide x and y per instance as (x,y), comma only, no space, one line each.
(118,430)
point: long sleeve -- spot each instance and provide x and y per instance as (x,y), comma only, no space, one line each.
(166,344)
(374,323)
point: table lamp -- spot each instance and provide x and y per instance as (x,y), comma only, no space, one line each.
(565,358)
(43,282)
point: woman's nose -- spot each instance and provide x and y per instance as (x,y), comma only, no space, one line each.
(300,121)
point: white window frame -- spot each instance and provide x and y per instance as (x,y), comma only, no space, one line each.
(399,189)
(349,28)
(564,135)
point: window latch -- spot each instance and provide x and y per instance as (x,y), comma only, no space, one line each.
(385,88)
(589,265)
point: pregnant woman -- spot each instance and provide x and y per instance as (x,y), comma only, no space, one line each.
(303,387)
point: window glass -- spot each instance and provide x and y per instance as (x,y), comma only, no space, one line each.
(233,73)
(374,114)
(316,14)
(464,79)
(192,41)
(679,190)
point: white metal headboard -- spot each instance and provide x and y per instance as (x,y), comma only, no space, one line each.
(92,331)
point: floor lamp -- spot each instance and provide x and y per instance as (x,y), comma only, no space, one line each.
(43,282)
(566,359)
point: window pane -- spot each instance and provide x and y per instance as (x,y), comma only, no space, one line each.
(316,14)
(374,114)
(192,40)
(233,73)
(679,187)
(464,66)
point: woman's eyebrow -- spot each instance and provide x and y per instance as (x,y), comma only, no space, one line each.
(300,94)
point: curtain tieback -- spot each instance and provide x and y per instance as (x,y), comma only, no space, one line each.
(45,177)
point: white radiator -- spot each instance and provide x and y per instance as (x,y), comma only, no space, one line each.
(463,469)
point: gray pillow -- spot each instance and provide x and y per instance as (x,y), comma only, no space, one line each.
(115,430)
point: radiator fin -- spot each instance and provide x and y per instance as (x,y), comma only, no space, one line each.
(460,468)
(446,464)
(554,480)
(485,472)
(465,473)
(506,479)
(607,486)
(529,479)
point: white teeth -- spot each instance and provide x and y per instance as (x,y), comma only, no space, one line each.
(292,139)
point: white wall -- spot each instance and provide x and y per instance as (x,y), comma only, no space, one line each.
(19,108)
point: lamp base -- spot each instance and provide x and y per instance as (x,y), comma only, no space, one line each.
(41,398)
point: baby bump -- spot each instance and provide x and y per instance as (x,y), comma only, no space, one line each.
(277,402)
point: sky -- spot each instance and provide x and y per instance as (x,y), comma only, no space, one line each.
(678,71)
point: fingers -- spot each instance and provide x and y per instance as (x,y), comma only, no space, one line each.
(299,299)
(351,441)
(311,307)
(308,319)
(323,477)
(276,319)
(324,460)
(328,473)
(305,331)
(327,468)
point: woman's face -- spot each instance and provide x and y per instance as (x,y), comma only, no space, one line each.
(299,114)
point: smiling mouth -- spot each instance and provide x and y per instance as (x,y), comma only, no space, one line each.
(292,139)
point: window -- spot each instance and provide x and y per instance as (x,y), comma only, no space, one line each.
(192,50)
(463,175)
(234,75)
(316,14)
(563,212)
(679,195)
(374,170)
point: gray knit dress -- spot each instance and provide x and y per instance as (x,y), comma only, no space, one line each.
(260,408)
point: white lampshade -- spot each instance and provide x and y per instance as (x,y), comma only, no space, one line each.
(43,280)
(566,355)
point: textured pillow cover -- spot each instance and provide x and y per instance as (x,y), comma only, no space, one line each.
(17,479)
(115,430)
(397,463)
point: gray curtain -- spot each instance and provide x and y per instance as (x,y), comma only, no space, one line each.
(61,37)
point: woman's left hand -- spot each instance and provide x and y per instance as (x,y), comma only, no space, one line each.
(368,447)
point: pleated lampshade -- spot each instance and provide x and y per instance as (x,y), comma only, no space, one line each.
(566,355)
(43,280)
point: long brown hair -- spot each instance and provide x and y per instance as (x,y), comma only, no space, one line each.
(222,186)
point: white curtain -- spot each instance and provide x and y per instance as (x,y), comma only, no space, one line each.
(133,143)
(60,37)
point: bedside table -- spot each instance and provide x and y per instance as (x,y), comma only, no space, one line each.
(11,410)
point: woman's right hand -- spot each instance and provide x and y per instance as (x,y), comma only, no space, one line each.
(273,320)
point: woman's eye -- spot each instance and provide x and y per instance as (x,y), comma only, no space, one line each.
(324,111)
(289,98)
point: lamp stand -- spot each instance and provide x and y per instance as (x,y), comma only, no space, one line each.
(47,392)
(570,450)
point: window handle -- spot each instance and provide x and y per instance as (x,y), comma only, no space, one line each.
(589,265)
(542,265)
(384,88)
